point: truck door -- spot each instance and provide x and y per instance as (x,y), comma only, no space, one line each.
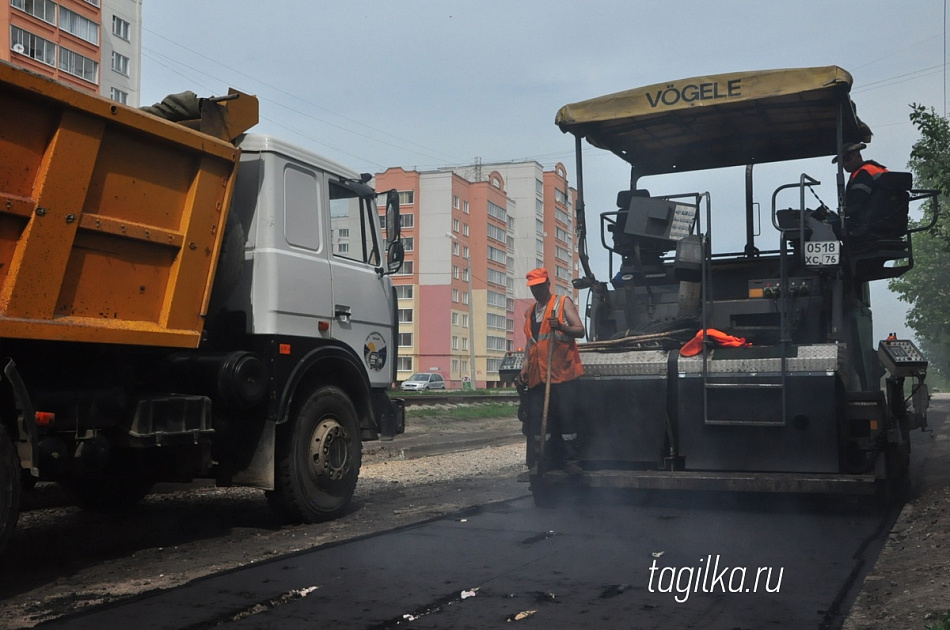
(362,297)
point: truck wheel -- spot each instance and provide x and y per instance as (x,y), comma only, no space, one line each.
(9,487)
(318,459)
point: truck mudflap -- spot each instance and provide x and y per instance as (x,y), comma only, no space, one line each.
(712,481)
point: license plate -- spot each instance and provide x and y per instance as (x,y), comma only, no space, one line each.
(822,253)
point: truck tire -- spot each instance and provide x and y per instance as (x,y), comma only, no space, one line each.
(9,487)
(318,457)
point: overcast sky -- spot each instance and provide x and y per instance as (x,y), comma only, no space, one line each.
(423,84)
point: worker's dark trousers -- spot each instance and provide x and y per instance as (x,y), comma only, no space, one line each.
(561,435)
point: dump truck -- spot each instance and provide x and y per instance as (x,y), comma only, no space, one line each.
(182,300)
(751,367)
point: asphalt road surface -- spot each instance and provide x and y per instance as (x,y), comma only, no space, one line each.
(608,561)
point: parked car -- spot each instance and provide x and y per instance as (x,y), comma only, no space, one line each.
(423,381)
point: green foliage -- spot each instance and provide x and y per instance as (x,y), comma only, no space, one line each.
(486,410)
(925,287)
(942,624)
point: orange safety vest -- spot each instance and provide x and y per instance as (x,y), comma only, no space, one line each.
(871,168)
(695,345)
(565,357)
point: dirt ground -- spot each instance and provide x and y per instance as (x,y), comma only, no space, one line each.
(909,586)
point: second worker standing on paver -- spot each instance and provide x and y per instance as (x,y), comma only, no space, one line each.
(551,327)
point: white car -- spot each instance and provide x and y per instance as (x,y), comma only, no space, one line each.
(423,381)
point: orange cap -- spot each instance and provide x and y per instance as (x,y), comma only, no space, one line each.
(537,276)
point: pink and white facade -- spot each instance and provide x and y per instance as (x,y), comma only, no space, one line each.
(471,235)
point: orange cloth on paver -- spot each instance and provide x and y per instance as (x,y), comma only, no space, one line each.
(695,345)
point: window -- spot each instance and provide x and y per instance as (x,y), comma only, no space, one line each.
(539,247)
(352,232)
(455,343)
(406,269)
(562,216)
(455,295)
(81,27)
(465,297)
(465,229)
(539,186)
(456,272)
(496,233)
(562,235)
(408,243)
(405,340)
(406,197)
(455,248)
(464,320)
(465,252)
(455,318)
(562,254)
(94,3)
(405,315)
(406,220)
(404,291)
(538,226)
(495,298)
(120,28)
(496,321)
(496,277)
(119,96)
(77,65)
(465,207)
(496,255)
(456,202)
(42,9)
(493,365)
(120,63)
(455,366)
(302,226)
(464,343)
(404,364)
(496,343)
(455,225)
(562,272)
(497,211)
(26,43)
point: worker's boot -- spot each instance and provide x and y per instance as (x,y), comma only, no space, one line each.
(571,462)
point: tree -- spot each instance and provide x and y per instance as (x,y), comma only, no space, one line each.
(925,287)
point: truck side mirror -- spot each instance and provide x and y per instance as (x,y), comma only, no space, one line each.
(395,254)
(392,218)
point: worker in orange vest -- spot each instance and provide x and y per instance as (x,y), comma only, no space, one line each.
(551,327)
(864,174)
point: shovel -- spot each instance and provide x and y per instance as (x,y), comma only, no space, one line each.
(544,410)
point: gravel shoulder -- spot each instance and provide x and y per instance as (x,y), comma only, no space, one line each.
(909,586)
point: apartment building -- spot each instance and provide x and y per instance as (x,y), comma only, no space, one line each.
(92,45)
(471,234)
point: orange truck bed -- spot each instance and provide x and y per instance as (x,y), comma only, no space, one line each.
(111,219)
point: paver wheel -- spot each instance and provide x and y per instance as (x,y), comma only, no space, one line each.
(318,456)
